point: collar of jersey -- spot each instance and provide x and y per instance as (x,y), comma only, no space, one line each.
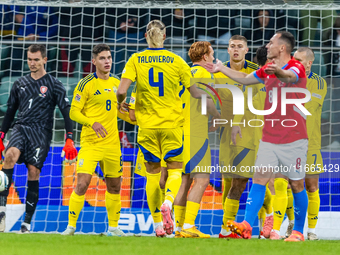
(245,64)
(310,75)
(155,48)
(195,65)
(95,75)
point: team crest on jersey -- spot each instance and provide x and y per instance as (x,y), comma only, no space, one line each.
(43,90)
(77,97)
(81,162)
(115,90)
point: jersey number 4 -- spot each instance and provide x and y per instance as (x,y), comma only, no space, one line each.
(159,83)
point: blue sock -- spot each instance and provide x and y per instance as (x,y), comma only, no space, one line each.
(254,202)
(300,209)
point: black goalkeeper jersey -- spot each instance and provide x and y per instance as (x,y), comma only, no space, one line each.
(35,100)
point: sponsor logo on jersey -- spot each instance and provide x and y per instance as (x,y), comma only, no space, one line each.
(77,97)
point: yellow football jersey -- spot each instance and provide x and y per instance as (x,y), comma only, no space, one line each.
(158,73)
(317,86)
(94,100)
(196,124)
(258,102)
(247,139)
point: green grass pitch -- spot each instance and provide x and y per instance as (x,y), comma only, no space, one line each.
(50,244)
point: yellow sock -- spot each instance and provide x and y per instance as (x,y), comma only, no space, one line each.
(230,210)
(313,208)
(290,205)
(191,212)
(179,215)
(262,215)
(75,205)
(280,203)
(226,188)
(163,195)
(113,206)
(154,195)
(172,184)
(267,203)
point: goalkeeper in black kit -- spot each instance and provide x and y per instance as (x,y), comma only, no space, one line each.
(34,96)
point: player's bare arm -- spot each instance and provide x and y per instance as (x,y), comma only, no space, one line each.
(121,94)
(243,78)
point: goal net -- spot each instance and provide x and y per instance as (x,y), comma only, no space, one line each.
(70,29)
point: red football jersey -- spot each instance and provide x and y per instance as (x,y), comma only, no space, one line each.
(277,128)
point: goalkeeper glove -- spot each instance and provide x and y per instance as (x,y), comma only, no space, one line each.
(2,147)
(69,151)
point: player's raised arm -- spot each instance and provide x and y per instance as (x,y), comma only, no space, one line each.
(243,78)
(287,76)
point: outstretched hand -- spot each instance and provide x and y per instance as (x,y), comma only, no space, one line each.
(214,68)
(271,68)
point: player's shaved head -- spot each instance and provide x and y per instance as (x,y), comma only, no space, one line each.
(100,48)
(261,55)
(198,50)
(36,48)
(238,38)
(309,53)
(288,39)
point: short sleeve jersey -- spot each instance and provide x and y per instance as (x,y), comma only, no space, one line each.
(158,74)
(278,128)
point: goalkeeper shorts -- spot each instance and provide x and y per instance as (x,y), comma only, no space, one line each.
(163,143)
(109,159)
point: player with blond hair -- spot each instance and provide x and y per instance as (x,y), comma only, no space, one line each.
(158,73)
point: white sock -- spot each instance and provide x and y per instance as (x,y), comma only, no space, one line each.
(28,226)
(311,230)
(156,224)
(270,214)
(292,221)
(2,208)
(112,228)
(168,202)
(225,232)
(179,229)
(186,226)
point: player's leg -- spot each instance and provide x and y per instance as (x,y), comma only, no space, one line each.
(171,141)
(11,157)
(312,186)
(32,197)
(293,157)
(164,177)
(290,211)
(314,169)
(86,164)
(265,162)
(34,155)
(232,204)
(180,203)
(280,203)
(148,141)
(200,183)
(268,212)
(242,159)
